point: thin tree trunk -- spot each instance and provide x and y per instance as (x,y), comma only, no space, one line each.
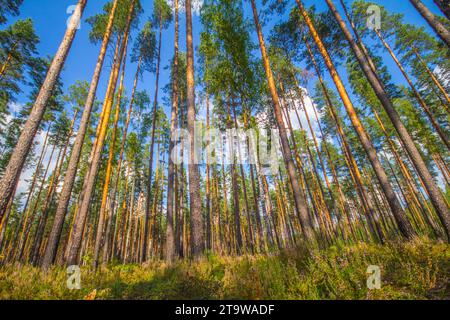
(25,211)
(208,186)
(244,184)
(30,217)
(348,155)
(50,193)
(152,144)
(36,243)
(432,75)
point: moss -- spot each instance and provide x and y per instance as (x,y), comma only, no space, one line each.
(413,270)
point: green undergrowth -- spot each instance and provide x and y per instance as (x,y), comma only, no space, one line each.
(413,270)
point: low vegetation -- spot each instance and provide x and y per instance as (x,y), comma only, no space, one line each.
(414,270)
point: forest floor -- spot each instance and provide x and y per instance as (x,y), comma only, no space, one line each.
(413,270)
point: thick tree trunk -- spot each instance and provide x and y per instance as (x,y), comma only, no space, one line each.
(23,146)
(194,175)
(437,26)
(170,234)
(69,179)
(444,6)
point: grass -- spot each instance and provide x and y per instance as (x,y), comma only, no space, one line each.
(413,270)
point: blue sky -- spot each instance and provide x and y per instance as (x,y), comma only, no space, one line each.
(50,16)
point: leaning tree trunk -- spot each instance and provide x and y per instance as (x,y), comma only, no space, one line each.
(194,176)
(69,179)
(23,146)
(299,200)
(444,6)
(437,26)
(102,214)
(348,155)
(436,197)
(88,186)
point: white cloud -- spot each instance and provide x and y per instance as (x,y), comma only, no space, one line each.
(196,6)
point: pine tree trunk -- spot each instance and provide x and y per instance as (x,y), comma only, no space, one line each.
(25,211)
(99,239)
(170,233)
(194,175)
(244,184)
(348,155)
(208,186)
(36,244)
(69,179)
(50,193)
(432,76)
(444,6)
(437,26)
(25,141)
